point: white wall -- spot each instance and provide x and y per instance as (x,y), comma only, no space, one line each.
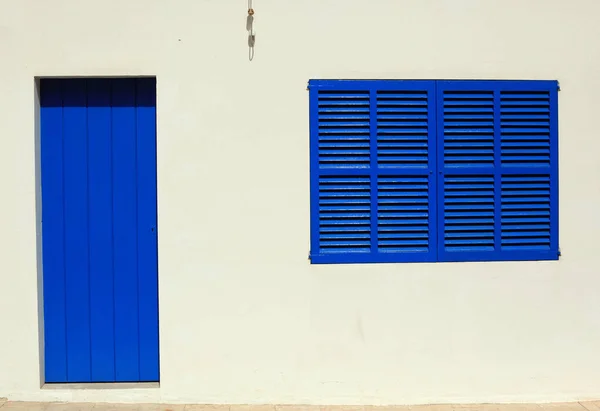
(244,317)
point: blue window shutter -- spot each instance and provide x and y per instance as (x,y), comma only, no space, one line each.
(497,170)
(373,179)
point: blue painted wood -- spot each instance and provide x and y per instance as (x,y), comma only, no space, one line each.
(314,172)
(124,131)
(99,230)
(77,288)
(53,250)
(497,147)
(373,195)
(373,159)
(554,217)
(472,175)
(147,226)
(102,333)
(497,158)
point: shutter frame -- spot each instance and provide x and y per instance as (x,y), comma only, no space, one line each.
(541,176)
(502,173)
(396,170)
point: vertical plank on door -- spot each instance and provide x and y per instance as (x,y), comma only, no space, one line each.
(53,260)
(101,234)
(76,229)
(147,236)
(125,230)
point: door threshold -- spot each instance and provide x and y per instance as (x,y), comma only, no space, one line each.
(101,386)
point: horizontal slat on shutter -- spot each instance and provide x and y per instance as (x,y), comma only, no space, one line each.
(469,213)
(525,128)
(468,128)
(525,219)
(403,213)
(344,128)
(344,214)
(402,128)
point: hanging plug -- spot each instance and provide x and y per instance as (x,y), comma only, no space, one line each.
(251,37)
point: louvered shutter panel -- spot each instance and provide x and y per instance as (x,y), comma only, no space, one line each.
(497,170)
(373,182)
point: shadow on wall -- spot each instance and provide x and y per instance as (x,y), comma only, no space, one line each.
(114,92)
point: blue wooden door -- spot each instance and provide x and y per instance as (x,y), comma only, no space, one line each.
(99,239)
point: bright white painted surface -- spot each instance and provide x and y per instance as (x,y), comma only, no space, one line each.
(244,317)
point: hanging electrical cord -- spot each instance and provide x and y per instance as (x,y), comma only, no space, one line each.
(251,33)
